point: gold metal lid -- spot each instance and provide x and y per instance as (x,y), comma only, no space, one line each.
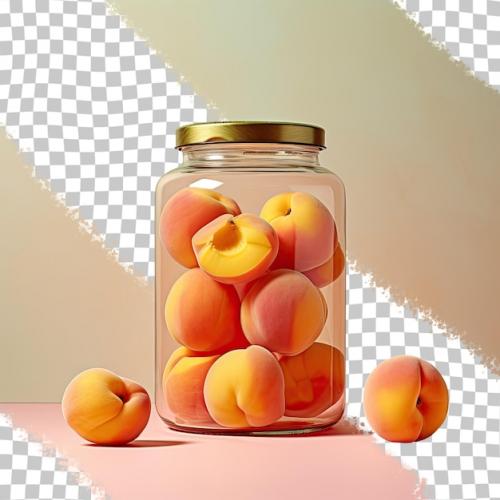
(250,131)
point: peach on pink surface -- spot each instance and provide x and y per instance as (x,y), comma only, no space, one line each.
(405,399)
(104,408)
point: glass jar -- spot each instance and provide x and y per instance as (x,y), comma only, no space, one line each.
(250,282)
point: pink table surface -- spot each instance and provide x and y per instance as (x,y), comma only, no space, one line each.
(340,463)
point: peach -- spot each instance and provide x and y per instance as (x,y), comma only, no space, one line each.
(329,271)
(284,312)
(245,388)
(203,314)
(314,380)
(244,288)
(405,399)
(104,408)
(236,249)
(305,227)
(183,380)
(184,214)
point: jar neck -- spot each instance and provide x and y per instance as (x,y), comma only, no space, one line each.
(250,154)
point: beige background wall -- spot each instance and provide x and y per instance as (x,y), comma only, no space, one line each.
(66,305)
(413,136)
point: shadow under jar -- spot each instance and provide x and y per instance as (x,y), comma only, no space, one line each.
(250,282)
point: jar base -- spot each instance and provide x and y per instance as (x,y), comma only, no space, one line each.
(309,428)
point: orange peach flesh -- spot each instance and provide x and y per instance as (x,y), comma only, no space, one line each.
(405,399)
(235,249)
(104,408)
(184,214)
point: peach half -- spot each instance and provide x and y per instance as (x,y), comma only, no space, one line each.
(203,314)
(183,380)
(184,214)
(235,249)
(329,271)
(284,312)
(245,388)
(405,399)
(305,227)
(104,408)
(314,380)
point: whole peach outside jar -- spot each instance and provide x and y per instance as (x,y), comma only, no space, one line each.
(250,282)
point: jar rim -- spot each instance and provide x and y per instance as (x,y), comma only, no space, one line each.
(250,132)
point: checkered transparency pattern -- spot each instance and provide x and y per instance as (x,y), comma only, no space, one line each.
(30,469)
(468,29)
(94,110)
(462,459)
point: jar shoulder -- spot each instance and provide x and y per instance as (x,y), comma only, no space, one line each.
(250,178)
(190,170)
